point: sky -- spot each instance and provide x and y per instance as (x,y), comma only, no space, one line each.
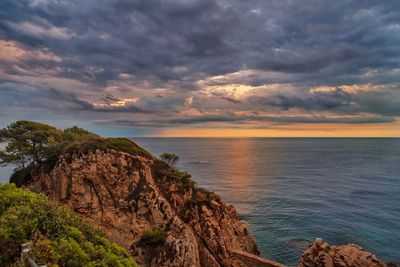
(275,68)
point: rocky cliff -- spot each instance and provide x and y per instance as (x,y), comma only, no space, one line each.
(126,194)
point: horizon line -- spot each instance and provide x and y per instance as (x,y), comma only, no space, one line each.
(276,137)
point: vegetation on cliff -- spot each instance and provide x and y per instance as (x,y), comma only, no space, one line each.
(169,158)
(29,144)
(163,169)
(153,237)
(59,237)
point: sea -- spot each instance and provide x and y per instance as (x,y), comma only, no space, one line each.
(293,190)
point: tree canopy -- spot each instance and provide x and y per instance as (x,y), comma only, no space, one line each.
(27,142)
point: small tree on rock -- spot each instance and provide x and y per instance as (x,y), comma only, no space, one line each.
(169,158)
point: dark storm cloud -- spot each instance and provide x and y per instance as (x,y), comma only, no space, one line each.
(227,98)
(172,45)
(318,102)
(53,99)
(207,37)
(86,106)
(385,102)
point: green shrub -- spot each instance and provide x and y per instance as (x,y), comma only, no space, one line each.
(45,253)
(127,146)
(84,146)
(153,237)
(59,237)
(176,175)
(73,255)
(185,178)
(77,134)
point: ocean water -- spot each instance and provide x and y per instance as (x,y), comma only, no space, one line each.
(291,191)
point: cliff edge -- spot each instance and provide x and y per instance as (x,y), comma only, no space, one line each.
(129,195)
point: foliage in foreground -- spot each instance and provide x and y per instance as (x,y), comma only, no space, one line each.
(59,237)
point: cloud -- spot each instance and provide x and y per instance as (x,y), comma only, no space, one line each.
(11,52)
(345,99)
(39,30)
(203,38)
(248,121)
(116,105)
(53,99)
(319,61)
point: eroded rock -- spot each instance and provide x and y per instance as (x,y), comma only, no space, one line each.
(124,194)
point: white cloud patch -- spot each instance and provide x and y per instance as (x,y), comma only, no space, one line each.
(10,51)
(32,29)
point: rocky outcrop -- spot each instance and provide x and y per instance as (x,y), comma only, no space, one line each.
(125,194)
(321,254)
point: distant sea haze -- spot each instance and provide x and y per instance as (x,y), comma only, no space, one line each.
(292,190)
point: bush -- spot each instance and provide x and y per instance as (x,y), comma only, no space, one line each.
(45,253)
(95,142)
(185,178)
(127,146)
(178,176)
(153,237)
(85,146)
(59,237)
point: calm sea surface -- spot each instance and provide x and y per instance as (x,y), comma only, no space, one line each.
(291,191)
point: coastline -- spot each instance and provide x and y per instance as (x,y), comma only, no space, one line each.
(246,215)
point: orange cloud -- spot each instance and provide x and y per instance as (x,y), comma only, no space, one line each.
(118,103)
(11,52)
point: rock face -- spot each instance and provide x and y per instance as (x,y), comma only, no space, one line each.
(126,194)
(321,254)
